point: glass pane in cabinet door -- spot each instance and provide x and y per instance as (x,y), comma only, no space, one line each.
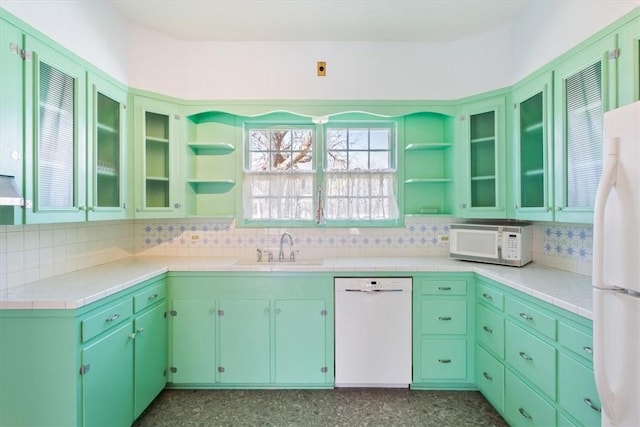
(532,152)
(56,139)
(157,160)
(482,156)
(584,113)
(108,152)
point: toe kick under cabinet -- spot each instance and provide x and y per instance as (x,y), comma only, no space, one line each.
(251,330)
(101,364)
(533,361)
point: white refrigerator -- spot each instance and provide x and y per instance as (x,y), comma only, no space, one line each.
(616,270)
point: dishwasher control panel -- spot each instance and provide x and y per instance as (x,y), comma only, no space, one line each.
(370,284)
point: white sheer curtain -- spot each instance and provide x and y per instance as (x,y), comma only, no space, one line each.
(278,195)
(361,195)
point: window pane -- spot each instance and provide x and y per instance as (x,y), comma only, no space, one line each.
(379,160)
(259,140)
(379,139)
(337,139)
(358,139)
(358,160)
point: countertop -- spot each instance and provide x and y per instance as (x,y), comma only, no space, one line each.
(569,291)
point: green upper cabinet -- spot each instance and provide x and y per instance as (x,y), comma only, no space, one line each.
(11,107)
(428,164)
(107,171)
(481,160)
(533,149)
(629,63)
(55,152)
(213,155)
(585,87)
(159,185)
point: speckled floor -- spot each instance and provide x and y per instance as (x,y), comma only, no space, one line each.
(339,407)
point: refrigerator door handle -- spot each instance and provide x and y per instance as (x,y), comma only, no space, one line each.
(607,182)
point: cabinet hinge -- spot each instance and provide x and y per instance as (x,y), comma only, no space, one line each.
(614,54)
(323,312)
(164,373)
(176,116)
(220,312)
(220,369)
(463,118)
(13,47)
(324,369)
(173,313)
(173,369)
(84,369)
(25,55)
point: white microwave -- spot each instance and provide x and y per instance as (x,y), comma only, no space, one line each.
(499,243)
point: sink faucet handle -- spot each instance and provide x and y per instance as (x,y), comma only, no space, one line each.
(292,257)
(259,255)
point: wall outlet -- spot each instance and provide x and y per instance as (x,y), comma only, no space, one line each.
(443,238)
(195,237)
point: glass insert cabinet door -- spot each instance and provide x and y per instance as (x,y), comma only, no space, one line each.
(54,89)
(483,141)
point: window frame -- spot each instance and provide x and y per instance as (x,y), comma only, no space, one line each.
(319,154)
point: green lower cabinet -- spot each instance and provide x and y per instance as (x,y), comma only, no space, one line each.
(300,331)
(532,357)
(150,356)
(107,379)
(524,407)
(490,329)
(244,341)
(490,378)
(444,316)
(577,392)
(193,341)
(444,359)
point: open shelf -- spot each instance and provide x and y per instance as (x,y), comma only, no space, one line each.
(202,186)
(427,180)
(419,146)
(211,148)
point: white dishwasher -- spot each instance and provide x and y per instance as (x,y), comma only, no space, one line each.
(373,331)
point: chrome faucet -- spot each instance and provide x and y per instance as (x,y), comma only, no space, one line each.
(281,255)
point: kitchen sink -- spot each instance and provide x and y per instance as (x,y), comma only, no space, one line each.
(276,263)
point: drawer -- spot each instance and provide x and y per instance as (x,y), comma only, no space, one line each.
(577,393)
(490,330)
(532,357)
(106,319)
(444,287)
(524,407)
(444,359)
(490,378)
(444,317)
(532,317)
(149,296)
(579,342)
(490,296)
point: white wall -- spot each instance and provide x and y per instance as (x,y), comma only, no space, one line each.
(148,60)
(540,36)
(91,29)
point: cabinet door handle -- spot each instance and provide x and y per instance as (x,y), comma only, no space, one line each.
(139,330)
(590,404)
(266,310)
(132,336)
(444,318)
(112,318)
(444,288)
(487,297)
(487,329)
(524,413)
(525,356)
(525,316)
(487,376)
(587,349)
(444,360)
(152,297)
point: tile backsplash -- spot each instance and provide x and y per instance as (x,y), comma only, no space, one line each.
(33,252)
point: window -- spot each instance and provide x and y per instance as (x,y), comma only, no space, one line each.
(286,180)
(279,173)
(360,173)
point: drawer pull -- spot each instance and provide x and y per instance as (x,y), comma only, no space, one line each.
(525,316)
(590,404)
(487,329)
(525,414)
(112,318)
(487,297)
(444,360)
(444,288)
(444,318)
(152,297)
(487,376)
(587,349)
(525,356)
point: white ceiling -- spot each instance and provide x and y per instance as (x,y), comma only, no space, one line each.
(319,20)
